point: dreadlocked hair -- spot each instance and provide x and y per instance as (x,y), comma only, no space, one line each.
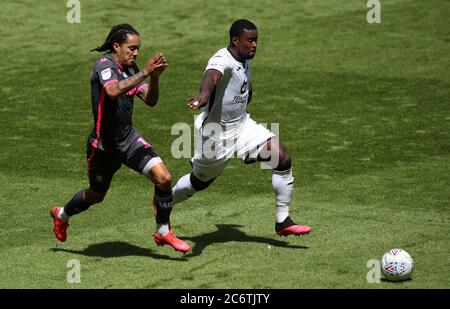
(118,34)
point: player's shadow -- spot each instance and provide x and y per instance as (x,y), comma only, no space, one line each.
(231,232)
(112,249)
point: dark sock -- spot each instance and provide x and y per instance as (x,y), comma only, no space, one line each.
(163,204)
(286,223)
(77,204)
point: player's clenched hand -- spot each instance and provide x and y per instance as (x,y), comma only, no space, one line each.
(197,102)
(156,65)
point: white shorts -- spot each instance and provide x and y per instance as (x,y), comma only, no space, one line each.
(216,144)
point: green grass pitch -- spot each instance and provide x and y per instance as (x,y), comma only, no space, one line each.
(363,109)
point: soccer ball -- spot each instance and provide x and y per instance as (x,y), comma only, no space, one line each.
(397,265)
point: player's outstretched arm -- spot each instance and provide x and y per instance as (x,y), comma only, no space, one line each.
(210,80)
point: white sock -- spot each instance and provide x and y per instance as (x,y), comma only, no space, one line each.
(62,215)
(183,189)
(283,186)
(163,229)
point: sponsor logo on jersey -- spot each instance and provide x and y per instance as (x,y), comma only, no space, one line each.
(240,99)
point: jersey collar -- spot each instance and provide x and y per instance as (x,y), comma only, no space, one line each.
(241,63)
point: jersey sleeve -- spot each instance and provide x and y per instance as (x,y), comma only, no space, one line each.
(142,85)
(106,72)
(217,62)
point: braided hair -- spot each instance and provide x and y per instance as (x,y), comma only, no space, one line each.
(118,34)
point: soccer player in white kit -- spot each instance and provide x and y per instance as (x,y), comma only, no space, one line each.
(224,128)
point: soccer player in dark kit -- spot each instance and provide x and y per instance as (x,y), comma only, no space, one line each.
(114,141)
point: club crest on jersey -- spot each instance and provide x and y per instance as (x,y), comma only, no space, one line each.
(106,74)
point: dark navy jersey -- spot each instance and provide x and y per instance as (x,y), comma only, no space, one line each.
(113,127)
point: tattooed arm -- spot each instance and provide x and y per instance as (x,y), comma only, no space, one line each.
(155,64)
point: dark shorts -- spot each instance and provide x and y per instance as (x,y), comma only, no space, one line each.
(102,165)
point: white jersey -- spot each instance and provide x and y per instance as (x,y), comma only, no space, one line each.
(228,102)
(224,128)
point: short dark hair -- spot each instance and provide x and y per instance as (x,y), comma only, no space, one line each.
(118,34)
(239,26)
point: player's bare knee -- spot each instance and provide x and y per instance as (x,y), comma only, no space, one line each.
(164,180)
(284,162)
